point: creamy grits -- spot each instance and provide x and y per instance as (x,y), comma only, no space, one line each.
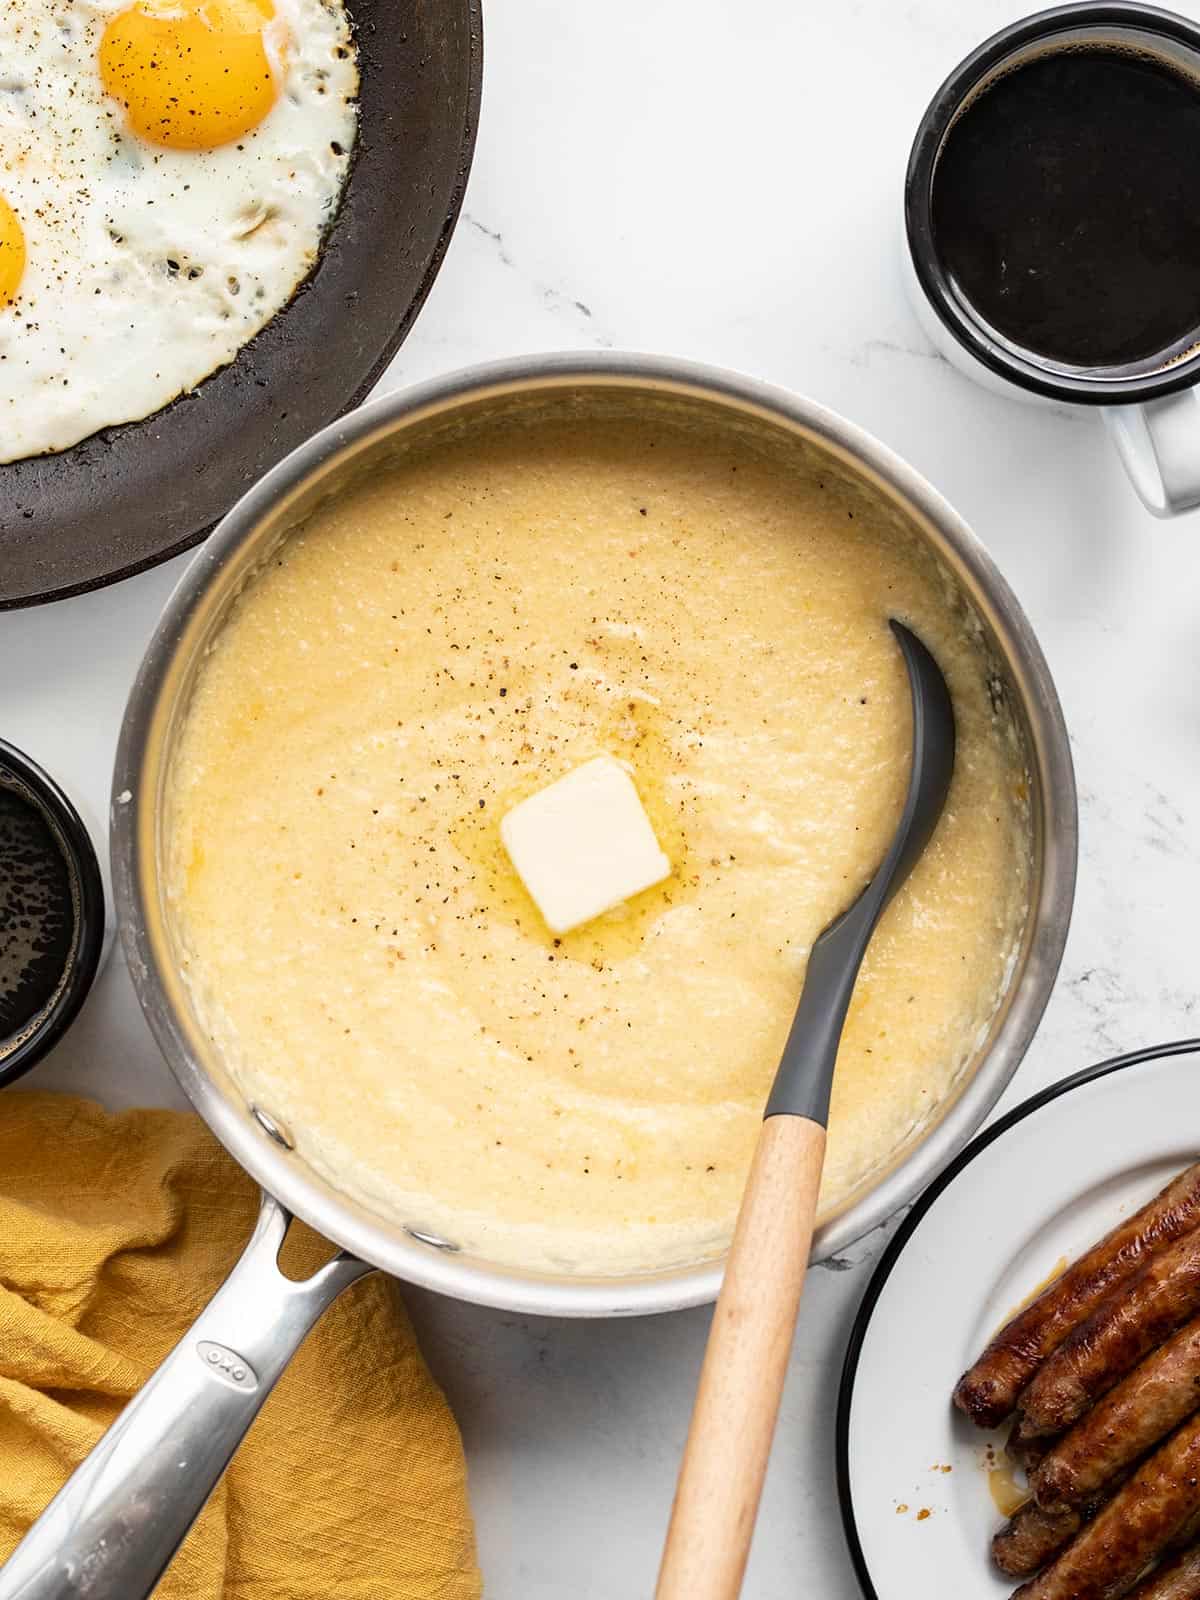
(458,631)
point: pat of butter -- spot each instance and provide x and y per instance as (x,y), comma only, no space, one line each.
(584,844)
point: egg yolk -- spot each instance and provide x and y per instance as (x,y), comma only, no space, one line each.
(192,74)
(12,253)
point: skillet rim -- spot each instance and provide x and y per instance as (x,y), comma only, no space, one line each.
(472,20)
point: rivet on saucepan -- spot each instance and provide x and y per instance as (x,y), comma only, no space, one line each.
(433,1239)
(273,1129)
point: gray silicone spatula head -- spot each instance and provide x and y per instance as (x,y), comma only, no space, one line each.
(805,1074)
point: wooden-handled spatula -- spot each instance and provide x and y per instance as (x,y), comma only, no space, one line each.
(725,1459)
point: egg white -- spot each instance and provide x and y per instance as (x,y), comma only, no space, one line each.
(149,268)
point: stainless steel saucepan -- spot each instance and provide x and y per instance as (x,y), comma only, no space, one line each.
(111,1531)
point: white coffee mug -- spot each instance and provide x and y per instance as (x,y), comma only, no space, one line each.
(1151,409)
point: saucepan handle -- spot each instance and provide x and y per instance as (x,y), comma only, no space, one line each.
(1159,446)
(111,1530)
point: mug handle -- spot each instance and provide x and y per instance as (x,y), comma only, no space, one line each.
(1159,447)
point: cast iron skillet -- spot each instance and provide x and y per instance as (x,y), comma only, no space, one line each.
(133,495)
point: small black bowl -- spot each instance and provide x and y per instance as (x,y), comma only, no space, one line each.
(31,803)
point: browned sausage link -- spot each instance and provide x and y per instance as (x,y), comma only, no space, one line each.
(1027,1450)
(1107,1556)
(1188,1535)
(1143,1408)
(1159,1298)
(1031,1536)
(1175,1580)
(988,1391)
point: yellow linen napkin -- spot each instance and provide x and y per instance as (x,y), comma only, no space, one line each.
(114,1232)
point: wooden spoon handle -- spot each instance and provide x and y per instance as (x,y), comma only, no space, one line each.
(741,1382)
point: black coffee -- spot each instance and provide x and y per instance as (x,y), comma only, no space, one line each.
(37,915)
(1066,207)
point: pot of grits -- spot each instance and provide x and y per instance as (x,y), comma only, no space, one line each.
(488,779)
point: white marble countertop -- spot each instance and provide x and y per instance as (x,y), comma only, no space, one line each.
(723,182)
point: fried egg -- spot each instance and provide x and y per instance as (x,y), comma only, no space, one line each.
(168,171)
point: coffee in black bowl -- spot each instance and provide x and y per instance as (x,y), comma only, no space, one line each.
(1066,207)
(52,913)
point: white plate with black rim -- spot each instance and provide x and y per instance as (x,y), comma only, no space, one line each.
(1044,1183)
